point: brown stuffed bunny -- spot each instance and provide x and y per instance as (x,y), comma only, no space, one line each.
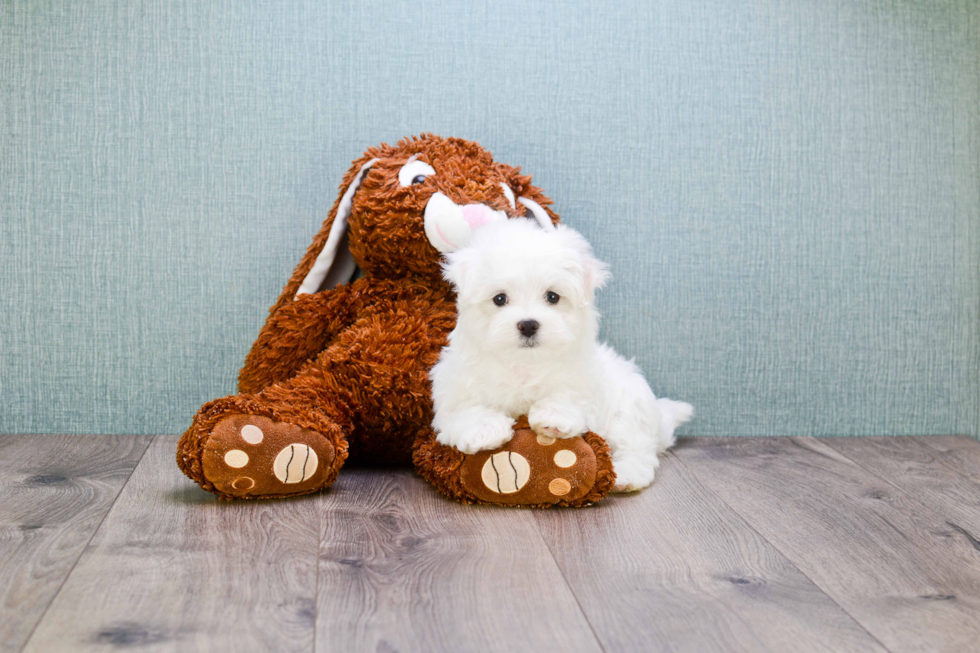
(341,368)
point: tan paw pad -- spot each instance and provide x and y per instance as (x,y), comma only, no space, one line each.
(506,472)
(295,463)
(559,487)
(565,458)
(236,458)
(243,483)
(252,434)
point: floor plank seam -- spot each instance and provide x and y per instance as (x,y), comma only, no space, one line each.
(149,441)
(316,586)
(941,515)
(924,439)
(776,548)
(564,579)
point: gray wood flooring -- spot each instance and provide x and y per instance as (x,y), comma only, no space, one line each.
(742,544)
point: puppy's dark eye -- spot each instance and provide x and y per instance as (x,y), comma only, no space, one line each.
(500,299)
(418,179)
(552,297)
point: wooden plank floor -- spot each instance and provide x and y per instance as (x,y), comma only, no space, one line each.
(746,544)
(54,493)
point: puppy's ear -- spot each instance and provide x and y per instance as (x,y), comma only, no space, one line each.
(458,267)
(596,275)
(593,273)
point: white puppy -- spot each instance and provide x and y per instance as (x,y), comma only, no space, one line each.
(525,343)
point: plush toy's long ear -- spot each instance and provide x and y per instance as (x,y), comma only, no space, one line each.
(536,204)
(334,264)
(328,261)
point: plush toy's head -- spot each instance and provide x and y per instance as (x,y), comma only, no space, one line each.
(401,207)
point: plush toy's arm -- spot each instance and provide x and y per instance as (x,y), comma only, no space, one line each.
(296,333)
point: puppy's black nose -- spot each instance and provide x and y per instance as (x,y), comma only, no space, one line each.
(528,327)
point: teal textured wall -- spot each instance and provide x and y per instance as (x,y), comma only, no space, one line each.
(788,192)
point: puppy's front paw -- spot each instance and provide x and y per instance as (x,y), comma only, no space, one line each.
(481,431)
(632,475)
(490,435)
(556,420)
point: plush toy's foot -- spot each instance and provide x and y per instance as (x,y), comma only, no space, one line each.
(531,470)
(243,456)
(249,455)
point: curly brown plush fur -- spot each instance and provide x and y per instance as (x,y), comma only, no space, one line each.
(344,370)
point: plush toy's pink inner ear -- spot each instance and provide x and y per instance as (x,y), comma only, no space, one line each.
(335,264)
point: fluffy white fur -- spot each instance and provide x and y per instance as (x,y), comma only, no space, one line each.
(561,377)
